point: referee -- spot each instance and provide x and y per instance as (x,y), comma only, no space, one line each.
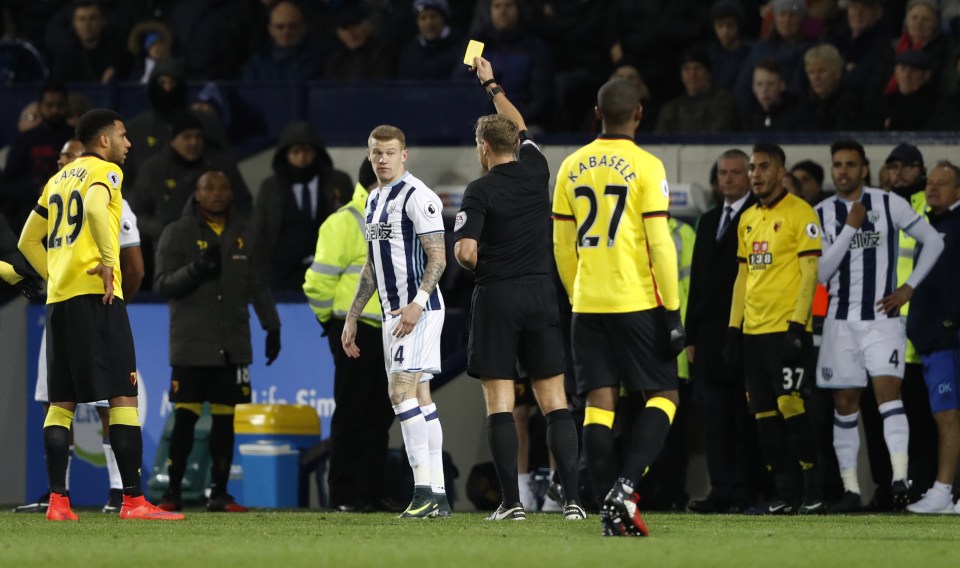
(778,242)
(503,234)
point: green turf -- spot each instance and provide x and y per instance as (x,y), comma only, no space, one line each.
(266,539)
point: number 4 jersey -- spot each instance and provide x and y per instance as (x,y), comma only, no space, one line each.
(71,250)
(607,188)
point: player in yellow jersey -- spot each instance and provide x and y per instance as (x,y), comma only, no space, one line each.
(610,238)
(90,353)
(778,245)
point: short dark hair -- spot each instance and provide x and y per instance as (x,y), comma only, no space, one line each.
(86,4)
(848,144)
(53,87)
(93,123)
(771,66)
(812,168)
(771,149)
(617,99)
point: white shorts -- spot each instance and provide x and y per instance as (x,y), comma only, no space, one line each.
(40,393)
(851,350)
(417,352)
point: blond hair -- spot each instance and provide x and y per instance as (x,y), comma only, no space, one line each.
(386,132)
(501,133)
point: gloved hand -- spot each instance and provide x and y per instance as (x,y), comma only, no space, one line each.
(793,342)
(732,344)
(273,345)
(30,286)
(677,336)
(210,261)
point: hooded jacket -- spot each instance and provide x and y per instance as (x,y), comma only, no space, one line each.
(288,233)
(209,318)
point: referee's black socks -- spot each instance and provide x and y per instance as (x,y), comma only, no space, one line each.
(127,442)
(562,441)
(56,443)
(504,446)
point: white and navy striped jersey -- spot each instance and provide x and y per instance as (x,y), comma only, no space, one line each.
(868,271)
(396,216)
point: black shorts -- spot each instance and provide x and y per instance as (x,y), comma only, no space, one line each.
(622,349)
(768,377)
(90,353)
(226,384)
(511,322)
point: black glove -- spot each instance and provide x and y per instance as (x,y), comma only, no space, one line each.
(793,342)
(732,343)
(676,335)
(210,261)
(273,345)
(30,286)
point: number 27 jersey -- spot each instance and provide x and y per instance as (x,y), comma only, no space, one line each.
(71,250)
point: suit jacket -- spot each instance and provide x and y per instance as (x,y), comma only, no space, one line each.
(712,275)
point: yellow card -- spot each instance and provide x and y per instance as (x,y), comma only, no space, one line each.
(474,49)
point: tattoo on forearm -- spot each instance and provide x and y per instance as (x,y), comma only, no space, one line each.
(433,245)
(365,290)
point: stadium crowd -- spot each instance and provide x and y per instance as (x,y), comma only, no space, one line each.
(729,66)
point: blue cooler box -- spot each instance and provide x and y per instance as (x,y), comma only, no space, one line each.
(269,440)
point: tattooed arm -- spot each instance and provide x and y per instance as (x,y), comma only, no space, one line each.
(365,290)
(433,246)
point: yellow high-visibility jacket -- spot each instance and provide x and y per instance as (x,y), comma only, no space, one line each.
(683,237)
(918,201)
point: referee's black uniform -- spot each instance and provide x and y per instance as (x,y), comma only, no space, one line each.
(514,312)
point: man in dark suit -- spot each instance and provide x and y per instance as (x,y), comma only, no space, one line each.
(731,434)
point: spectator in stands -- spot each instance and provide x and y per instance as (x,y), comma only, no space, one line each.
(289,56)
(93,55)
(863,44)
(294,202)
(437,49)
(149,131)
(167,181)
(522,60)
(786,45)
(29,117)
(32,158)
(726,47)
(359,54)
(148,43)
(77,105)
(810,176)
(702,108)
(913,105)
(651,108)
(213,36)
(772,107)
(827,106)
(921,32)
(791,184)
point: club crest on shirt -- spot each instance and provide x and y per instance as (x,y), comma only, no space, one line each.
(873,216)
(459,221)
(776,226)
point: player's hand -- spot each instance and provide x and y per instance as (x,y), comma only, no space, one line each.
(273,345)
(676,335)
(106,273)
(349,338)
(409,316)
(793,342)
(30,286)
(891,304)
(483,69)
(856,215)
(732,344)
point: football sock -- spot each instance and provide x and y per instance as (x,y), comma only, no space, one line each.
(181,444)
(415,440)
(562,442)
(598,449)
(504,446)
(435,444)
(896,433)
(777,454)
(647,436)
(127,441)
(112,470)
(221,450)
(846,444)
(56,443)
(806,452)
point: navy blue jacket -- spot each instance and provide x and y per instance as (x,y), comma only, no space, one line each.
(934,317)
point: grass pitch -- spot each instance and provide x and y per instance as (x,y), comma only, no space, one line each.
(283,539)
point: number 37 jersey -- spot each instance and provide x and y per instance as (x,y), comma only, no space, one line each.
(71,250)
(607,188)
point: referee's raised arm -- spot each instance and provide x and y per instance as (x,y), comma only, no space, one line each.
(495,92)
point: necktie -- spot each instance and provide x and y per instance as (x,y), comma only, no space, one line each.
(725,222)
(305,203)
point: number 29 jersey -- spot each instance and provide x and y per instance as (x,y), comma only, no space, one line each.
(607,188)
(71,250)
